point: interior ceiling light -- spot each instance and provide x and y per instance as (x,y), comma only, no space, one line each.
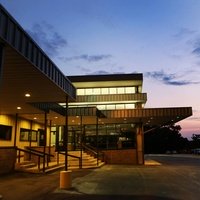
(27,95)
(19,108)
(56,117)
(35,118)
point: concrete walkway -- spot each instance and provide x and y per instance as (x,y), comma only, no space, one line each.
(167,178)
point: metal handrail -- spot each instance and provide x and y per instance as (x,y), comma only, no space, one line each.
(93,151)
(73,156)
(36,153)
(34,150)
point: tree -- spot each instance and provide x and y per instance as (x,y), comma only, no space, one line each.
(166,138)
(195,143)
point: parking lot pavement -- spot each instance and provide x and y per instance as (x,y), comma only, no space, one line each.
(173,179)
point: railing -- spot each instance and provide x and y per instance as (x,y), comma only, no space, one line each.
(94,152)
(73,156)
(48,155)
(37,153)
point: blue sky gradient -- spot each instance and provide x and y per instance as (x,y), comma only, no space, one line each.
(159,38)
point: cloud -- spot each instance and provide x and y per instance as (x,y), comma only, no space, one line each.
(47,37)
(89,58)
(168,79)
(184,32)
(100,72)
(196,51)
(84,69)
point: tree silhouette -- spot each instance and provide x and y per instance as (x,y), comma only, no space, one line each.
(165,139)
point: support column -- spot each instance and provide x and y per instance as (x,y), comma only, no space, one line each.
(15,136)
(81,124)
(50,139)
(65,137)
(97,137)
(1,60)
(65,176)
(45,137)
(30,135)
(140,144)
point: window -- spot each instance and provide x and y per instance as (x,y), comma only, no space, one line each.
(96,91)
(110,107)
(129,90)
(5,132)
(113,90)
(104,90)
(27,135)
(120,90)
(119,106)
(88,91)
(129,106)
(80,92)
(101,107)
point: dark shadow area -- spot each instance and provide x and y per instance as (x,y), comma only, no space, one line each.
(64,196)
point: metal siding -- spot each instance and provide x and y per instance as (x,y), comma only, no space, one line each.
(14,35)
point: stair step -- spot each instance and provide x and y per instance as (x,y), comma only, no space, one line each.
(73,163)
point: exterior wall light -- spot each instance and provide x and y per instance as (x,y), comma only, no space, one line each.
(27,95)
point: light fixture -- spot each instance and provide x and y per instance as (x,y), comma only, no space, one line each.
(55,117)
(35,118)
(27,95)
(19,108)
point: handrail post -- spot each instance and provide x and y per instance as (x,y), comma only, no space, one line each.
(58,157)
(39,163)
(19,157)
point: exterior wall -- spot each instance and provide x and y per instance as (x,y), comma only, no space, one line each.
(10,121)
(123,156)
(7,159)
(140,144)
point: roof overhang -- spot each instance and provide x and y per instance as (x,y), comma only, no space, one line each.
(107,80)
(148,116)
(25,68)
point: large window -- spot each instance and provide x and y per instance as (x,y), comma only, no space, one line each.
(28,135)
(111,90)
(5,132)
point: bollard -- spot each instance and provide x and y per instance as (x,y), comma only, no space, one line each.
(65,179)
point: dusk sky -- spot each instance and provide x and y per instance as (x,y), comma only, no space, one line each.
(159,38)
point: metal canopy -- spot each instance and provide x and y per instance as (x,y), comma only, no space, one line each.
(25,68)
(148,116)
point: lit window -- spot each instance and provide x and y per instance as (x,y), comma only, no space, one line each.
(120,90)
(80,92)
(129,106)
(119,106)
(129,90)
(113,90)
(88,91)
(104,91)
(101,107)
(110,107)
(96,91)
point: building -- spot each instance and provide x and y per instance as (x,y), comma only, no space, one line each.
(42,109)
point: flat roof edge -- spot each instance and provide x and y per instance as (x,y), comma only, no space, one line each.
(12,34)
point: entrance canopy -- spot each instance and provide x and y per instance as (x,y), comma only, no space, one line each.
(27,74)
(148,116)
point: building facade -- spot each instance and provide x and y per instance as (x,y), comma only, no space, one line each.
(42,108)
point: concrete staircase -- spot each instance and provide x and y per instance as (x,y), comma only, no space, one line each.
(88,162)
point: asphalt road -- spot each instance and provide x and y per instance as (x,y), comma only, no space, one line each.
(177,178)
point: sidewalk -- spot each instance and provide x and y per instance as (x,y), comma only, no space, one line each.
(170,181)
